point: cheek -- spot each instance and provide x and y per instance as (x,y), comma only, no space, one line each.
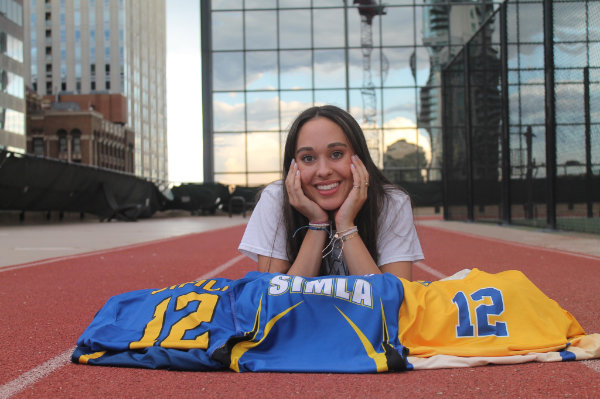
(345,170)
(305,176)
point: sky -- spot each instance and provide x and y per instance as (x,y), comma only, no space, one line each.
(184,88)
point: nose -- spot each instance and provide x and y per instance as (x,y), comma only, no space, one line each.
(323,168)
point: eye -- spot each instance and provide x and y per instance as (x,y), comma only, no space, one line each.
(307,158)
(337,154)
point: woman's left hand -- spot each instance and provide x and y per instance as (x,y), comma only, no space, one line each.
(344,217)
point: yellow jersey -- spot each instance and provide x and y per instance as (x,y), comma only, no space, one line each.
(482,315)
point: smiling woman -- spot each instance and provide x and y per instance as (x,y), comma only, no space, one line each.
(334,213)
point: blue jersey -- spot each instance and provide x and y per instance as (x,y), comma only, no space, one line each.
(350,324)
(262,322)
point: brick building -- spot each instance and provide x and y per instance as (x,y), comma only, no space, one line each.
(87,129)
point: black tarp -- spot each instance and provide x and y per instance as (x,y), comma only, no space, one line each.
(199,197)
(29,183)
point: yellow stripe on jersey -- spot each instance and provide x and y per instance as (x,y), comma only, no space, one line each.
(83,359)
(482,315)
(240,348)
(379,358)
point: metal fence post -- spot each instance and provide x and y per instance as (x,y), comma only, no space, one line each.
(588,143)
(468,133)
(550,108)
(445,146)
(505,138)
(207,86)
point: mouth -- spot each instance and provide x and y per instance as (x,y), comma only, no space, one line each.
(327,188)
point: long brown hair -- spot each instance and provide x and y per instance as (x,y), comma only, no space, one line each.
(367,217)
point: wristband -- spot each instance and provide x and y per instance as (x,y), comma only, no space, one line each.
(346,237)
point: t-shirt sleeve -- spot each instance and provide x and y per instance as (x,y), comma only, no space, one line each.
(398,240)
(265,233)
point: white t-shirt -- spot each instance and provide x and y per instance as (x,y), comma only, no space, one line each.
(265,233)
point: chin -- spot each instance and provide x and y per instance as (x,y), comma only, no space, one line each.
(330,205)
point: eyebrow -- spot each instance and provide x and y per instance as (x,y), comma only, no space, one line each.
(331,145)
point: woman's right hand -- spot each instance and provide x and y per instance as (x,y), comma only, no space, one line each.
(299,200)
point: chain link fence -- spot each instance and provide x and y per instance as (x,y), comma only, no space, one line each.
(522,118)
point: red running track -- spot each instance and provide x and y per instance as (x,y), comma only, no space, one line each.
(45,308)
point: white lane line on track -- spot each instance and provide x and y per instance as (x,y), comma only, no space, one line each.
(37,373)
(34,375)
(430,270)
(224,266)
(593,364)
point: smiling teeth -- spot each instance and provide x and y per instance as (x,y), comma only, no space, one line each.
(327,186)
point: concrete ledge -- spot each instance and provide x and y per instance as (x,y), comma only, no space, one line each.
(586,244)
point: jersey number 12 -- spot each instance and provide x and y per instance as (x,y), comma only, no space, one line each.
(465,327)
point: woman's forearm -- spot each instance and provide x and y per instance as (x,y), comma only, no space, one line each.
(357,257)
(308,261)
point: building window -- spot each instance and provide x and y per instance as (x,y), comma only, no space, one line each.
(62,144)
(76,141)
(38,146)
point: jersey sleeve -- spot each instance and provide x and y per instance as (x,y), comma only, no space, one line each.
(265,233)
(398,240)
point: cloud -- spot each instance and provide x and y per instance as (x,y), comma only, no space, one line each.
(401,128)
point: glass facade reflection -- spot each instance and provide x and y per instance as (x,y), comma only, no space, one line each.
(12,84)
(381,61)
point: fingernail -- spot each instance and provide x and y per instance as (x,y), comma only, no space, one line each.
(297,172)
(352,166)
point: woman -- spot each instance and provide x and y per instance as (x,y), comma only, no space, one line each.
(334,212)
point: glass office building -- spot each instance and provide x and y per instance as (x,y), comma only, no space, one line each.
(264,61)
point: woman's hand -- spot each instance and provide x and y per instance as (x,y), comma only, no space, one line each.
(299,200)
(344,217)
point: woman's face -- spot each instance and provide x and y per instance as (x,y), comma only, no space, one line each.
(323,156)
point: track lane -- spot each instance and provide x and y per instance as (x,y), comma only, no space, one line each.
(45,308)
(446,253)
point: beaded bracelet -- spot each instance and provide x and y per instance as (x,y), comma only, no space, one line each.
(348,231)
(313,226)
